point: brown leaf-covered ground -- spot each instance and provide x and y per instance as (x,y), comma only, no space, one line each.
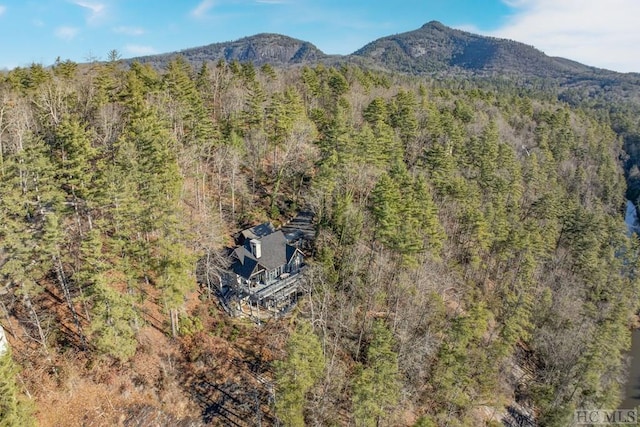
(217,376)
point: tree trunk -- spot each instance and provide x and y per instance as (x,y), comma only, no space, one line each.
(67,296)
(233,192)
(276,187)
(36,321)
(173,314)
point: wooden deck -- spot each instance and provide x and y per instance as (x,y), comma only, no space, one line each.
(276,291)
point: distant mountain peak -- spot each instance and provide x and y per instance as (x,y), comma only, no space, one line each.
(275,49)
(434,47)
(434,24)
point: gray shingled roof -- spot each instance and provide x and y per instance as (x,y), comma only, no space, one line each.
(275,253)
(258,231)
(245,264)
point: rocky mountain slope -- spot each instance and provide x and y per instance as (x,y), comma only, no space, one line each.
(260,49)
(435,47)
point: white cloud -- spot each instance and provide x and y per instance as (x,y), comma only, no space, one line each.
(140,50)
(97,10)
(66,33)
(3,9)
(201,10)
(595,32)
(129,31)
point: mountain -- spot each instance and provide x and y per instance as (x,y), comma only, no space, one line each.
(437,50)
(435,47)
(260,49)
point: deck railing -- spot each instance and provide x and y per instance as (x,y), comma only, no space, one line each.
(277,290)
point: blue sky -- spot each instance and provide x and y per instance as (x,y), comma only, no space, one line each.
(601,33)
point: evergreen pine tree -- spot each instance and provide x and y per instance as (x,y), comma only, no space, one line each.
(376,388)
(297,374)
(15,411)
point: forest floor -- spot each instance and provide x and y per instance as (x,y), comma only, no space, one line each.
(218,375)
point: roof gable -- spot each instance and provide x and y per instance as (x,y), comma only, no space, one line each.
(291,251)
(245,264)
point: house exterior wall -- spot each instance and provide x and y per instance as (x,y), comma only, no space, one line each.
(273,275)
(294,264)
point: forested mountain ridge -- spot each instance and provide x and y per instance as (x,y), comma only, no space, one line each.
(436,50)
(274,49)
(439,51)
(435,47)
(471,262)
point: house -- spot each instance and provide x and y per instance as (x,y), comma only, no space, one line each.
(265,267)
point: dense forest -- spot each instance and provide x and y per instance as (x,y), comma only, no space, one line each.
(471,261)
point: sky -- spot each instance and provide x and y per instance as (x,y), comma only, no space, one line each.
(600,33)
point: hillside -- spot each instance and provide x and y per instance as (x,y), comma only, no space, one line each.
(470,261)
